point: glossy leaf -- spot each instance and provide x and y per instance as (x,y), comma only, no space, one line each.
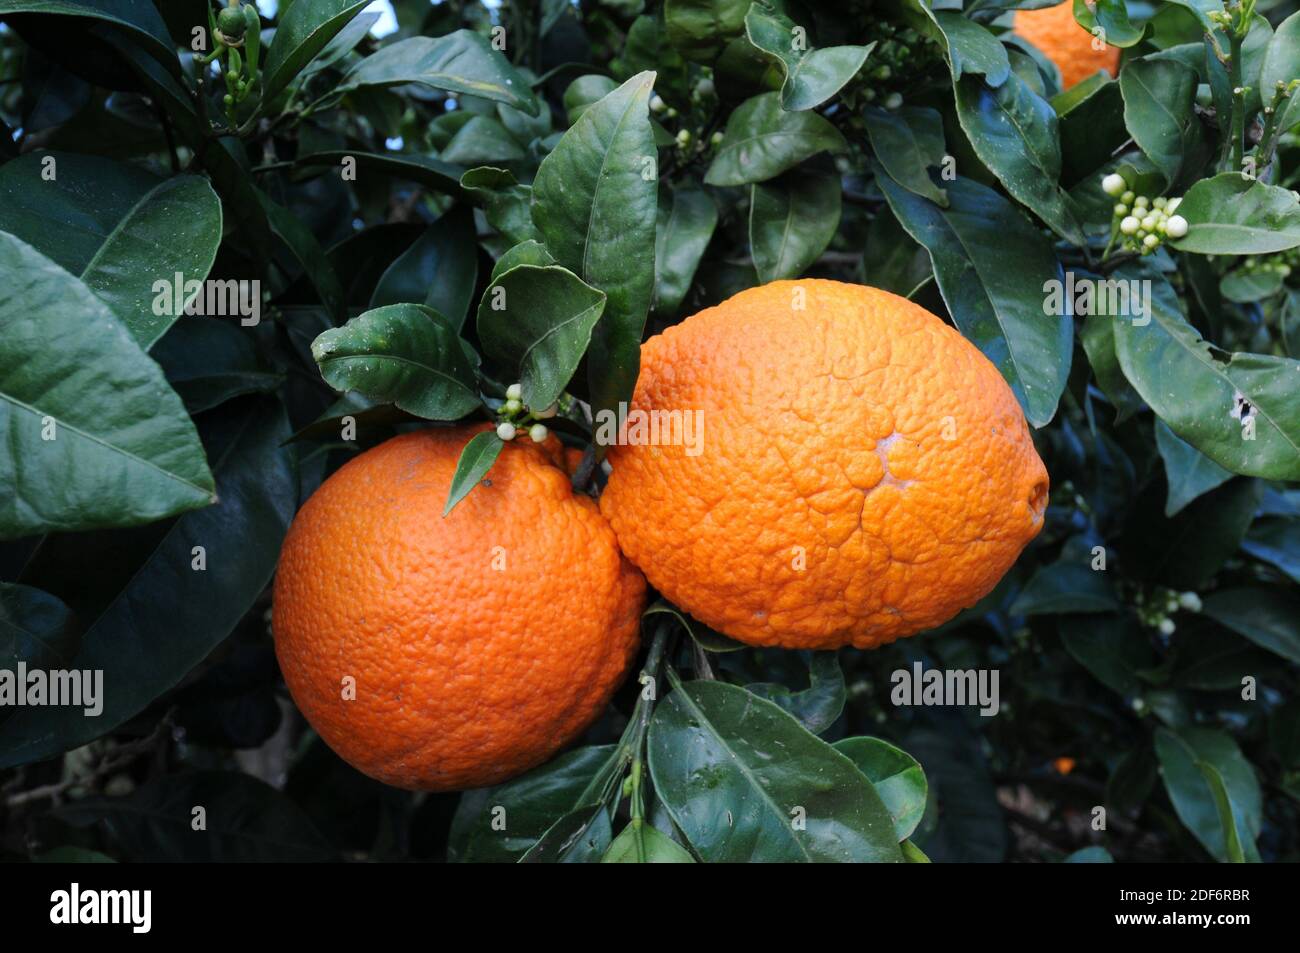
(594,203)
(507,205)
(140,20)
(643,844)
(302,33)
(125,233)
(1189,472)
(1068,585)
(762,140)
(819,705)
(908,142)
(136,641)
(686,219)
(1276,542)
(998,308)
(1268,617)
(736,771)
(406,354)
(1237,411)
(896,775)
(1281,64)
(700,28)
(462,62)
(1112,648)
(475,461)
(35,628)
(538,322)
(812,76)
(94,436)
(1014,132)
(1158,111)
(1231,215)
(432,173)
(792,220)
(1181,755)
(439,270)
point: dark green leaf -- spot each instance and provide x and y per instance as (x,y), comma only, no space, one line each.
(1158,110)
(594,202)
(908,142)
(462,62)
(302,33)
(123,232)
(762,140)
(643,844)
(1277,542)
(685,224)
(817,706)
(1112,648)
(792,220)
(1232,215)
(507,205)
(1239,412)
(475,461)
(1189,472)
(94,436)
(439,270)
(538,321)
(35,628)
(812,76)
(745,782)
(407,354)
(1268,617)
(425,170)
(896,775)
(136,641)
(999,308)
(1194,799)
(700,28)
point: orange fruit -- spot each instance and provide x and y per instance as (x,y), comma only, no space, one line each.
(440,654)
(1058,36)
(864,473)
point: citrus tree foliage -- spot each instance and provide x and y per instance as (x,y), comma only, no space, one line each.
(397,219)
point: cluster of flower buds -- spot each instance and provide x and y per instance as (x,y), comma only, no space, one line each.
(515,418)
(1142,222)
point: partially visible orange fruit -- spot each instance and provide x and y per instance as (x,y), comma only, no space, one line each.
(1055,32)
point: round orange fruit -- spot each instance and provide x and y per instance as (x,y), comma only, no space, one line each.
(863,472)
(1058,36)
(448,653)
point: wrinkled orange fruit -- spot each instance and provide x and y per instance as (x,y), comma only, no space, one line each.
(864,472)
(440,654)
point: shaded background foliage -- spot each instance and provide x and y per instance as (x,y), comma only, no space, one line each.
(1121,688)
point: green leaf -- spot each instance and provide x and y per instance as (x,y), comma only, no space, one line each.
(642,844)
(1112,17)
(1190,472)
(247,820)
(792,220)
(1219,791)
(707,639)
(406,354)
(1281,65)
(117,228)
(538,321)
(584,92)
(36,628)
(820,704)
(594,202)
(475,461)
(1231,215)
(717,750)
(1091,129)
(507,205)
(699,29)
(1269,617)
(424,170)
(1195,800)
(140,21)
(525,253)
(94,437)
(304,249)
(1239,412)
(1159,98)
(762,140)
(1245,287)
(908,142)
(439,270)
(301,34)
(580,837)
(528,805)
(1277,542)
(998,306)
(462,62)
(1098,338)
(972,50)
(812,76)
(1014,133)
(482,140)
(686,219)
(896,775)
(208,362)
(1113,649)
(136,641)
(1068,585)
